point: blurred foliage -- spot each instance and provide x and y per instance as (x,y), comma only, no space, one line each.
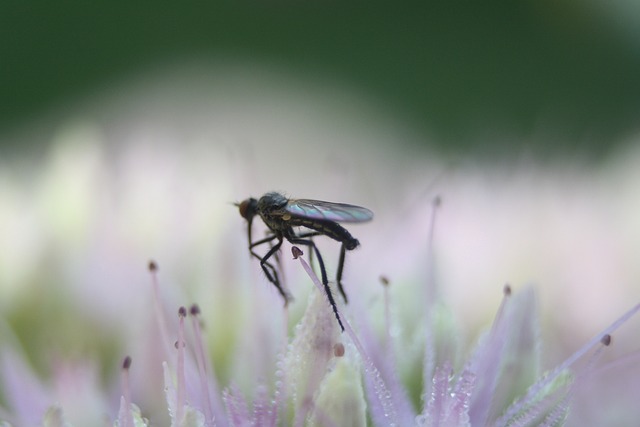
(461,71)
(49,331)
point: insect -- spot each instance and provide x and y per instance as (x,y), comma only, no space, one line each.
(281,215)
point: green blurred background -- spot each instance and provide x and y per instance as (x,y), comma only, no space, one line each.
(463,72)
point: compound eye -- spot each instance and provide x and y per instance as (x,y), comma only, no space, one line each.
(243,207)
(247,208)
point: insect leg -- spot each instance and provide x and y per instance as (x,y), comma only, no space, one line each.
(340,262)
(339,273)
(269,270)
(310,234)
(278,264)
(323,271)
(261,241)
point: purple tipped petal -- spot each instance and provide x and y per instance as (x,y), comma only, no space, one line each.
(448,403)
(555,382)
(383,358)
(437,403)
(26,396)
(380,399)
(521,358)
(558,415)
(263,407)
(459,414)
(237,409)
(486,363)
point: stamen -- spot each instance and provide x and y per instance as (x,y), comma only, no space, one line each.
(506,290)
(180,370)
(203,368)
(126,392)
(296,252)
(497,322)
(431,295)
(432,292)
(387,311)
(194,310)
(158,307)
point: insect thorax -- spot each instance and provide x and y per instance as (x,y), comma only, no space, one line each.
(271,207)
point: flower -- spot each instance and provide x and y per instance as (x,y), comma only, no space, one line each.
(319,379)
(319,376)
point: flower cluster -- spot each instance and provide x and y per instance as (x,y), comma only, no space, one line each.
(325,378)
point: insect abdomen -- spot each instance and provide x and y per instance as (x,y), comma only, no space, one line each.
(329,228)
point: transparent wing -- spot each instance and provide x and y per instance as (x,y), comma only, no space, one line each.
(328,211)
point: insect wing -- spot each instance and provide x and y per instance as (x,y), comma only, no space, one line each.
(328,211)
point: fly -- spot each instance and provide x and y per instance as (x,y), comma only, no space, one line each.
(281,215)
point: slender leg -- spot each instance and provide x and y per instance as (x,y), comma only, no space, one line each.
(261,241)
(269,270)
(306,235)
(309,234)
(340,262)
(278,264)
(339,274)
(323,271)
